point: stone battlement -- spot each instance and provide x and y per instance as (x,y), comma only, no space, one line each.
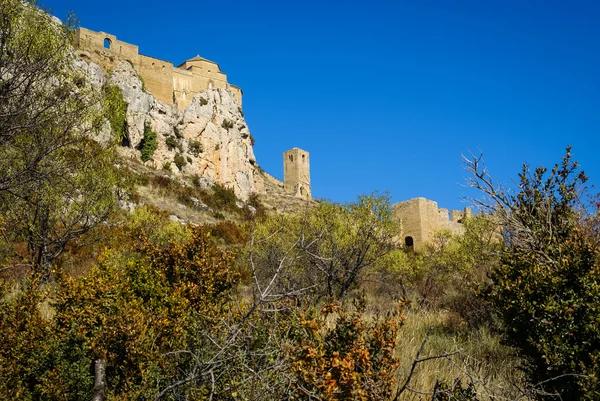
(421,218)
(166,82)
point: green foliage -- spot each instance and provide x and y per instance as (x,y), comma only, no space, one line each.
(203,101)
(195,147)
(166,166)
(173,143)
(227,124)
(149,143)
(177,132)
(56,181)
(115,110)
(179,161)
(221,198)
(546,288)
(329,248)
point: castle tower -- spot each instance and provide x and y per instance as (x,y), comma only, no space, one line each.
(296,173)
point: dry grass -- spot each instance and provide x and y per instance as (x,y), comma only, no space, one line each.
(472,356)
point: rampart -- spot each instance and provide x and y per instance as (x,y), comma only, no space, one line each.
(165,81)
(421,218)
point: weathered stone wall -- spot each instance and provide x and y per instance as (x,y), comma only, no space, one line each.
(161,78)
(158,77)
(421,218)
(296,173)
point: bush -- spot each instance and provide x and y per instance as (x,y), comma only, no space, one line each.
(546,288)
(173,143)
(227,124)
(195,147)
(180,161)
(203,101)
(149,143)
(346,356)
(116,112)
(177,132)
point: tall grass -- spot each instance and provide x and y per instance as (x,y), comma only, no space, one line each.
(476,356)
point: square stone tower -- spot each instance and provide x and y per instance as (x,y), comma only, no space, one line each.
(296,173)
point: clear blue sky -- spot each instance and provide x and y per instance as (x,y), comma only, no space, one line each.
(386,95)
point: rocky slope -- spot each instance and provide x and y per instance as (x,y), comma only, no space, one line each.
(209,138)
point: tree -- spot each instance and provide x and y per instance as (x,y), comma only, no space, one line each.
(57,181)
(325,250)
(546,288)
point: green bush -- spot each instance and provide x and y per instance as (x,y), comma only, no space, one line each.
(115,110)
(547,287)
(177,132)
(149,143)
(203,101)
(172,143)
(195,147)
(227,124)
(180,161)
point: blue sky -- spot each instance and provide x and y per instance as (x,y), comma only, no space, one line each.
(387,95)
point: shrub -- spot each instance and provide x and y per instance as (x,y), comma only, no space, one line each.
(345,355)
(252,141)
(166,166)
(115,110)
(189,159)
(241,111)
(177,132)
(227,124)
(173,143)
(203,101)
(546,287)
(149,143)
(180,161)
(195,147)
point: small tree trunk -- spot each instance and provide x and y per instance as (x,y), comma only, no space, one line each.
(99,379)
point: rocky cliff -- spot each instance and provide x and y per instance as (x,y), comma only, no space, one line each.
(209,138)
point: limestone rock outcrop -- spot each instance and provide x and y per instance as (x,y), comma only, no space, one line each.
(209,138)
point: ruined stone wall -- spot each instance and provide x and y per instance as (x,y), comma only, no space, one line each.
(296,173)
(421,218)
(161,78)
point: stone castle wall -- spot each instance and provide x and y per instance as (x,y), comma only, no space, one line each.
(165,81)
(421,218)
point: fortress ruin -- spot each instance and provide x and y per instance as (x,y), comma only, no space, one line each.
(166,82)
(421,218)
(296,173)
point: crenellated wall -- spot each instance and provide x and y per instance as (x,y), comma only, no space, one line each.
(165,81)
(421,218)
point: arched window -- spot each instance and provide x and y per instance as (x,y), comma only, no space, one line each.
(291,158)
(210,84)
(409,242)
(304,158)
(107,43)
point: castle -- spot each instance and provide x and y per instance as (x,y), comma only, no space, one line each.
(166,82)
(420,218)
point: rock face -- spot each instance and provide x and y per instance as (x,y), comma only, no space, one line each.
(209,138)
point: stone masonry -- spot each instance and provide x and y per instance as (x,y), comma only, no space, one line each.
(421,218)
(166,82)
(296,173)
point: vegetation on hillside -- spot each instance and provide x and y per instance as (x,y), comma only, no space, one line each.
(322,304)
